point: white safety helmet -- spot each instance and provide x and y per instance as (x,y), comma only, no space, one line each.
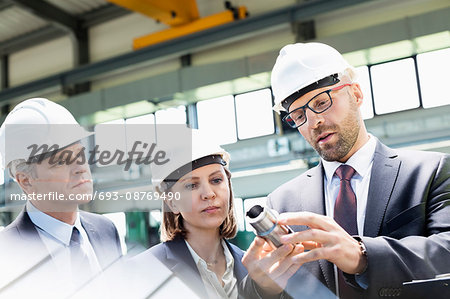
(184,154)
(303,67)
(37,121)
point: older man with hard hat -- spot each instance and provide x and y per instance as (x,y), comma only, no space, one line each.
(370,217)
(52,247)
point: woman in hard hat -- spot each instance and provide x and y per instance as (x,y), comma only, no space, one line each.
(195,228)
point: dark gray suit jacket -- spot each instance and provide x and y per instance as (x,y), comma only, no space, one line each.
(407,224)
(21,245)
(176,256)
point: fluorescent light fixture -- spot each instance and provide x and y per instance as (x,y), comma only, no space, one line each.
(214,90)
(428,146)
(391,51)
(357,58)
(292,165)
(432,42)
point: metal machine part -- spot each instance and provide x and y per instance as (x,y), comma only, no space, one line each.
(265,223)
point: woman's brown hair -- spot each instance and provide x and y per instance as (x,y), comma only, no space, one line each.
(172,224)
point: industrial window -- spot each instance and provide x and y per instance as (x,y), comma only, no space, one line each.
(433,73)
(395,86)
(143,119)
(2,173)
(174,115)
(110,136)
(122,134)
(217,118)
(254,114)
(120,222)
(239,213)
(155,218)
(140,129)
(363,79)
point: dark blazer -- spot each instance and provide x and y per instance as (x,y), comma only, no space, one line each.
(176,256)
(21,244)
(407,224)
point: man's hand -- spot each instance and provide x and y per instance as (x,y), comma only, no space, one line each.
(325,240)
(269,268)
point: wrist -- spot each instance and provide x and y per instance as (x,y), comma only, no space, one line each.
(363,260)
(267,292)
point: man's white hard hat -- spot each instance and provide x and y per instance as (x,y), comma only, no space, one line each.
(301,65)
(182,153)
(37,121)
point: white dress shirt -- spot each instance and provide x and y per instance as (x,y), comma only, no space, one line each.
(213,287)
(56,235)
(362,162)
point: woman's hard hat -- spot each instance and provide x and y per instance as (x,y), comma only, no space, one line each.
(303,67)
(185,156)
(37,121)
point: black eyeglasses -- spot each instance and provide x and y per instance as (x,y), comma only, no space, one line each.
(318,104)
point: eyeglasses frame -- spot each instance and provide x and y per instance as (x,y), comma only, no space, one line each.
(307,105)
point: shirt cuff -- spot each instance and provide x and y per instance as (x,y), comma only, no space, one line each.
(362,280)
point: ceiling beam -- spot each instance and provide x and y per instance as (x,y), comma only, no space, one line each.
(50,13)
(102,14)
(5,5)
(30,39)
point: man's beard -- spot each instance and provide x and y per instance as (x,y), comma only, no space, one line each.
(346,134)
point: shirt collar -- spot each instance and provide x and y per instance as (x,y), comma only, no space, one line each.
(360,160)
(198,260)
(59,230)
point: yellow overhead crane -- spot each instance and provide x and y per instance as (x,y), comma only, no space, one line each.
(181,15)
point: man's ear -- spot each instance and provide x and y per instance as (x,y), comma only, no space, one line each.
(25,181)
(356,88)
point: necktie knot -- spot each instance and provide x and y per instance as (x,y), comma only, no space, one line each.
(345,172)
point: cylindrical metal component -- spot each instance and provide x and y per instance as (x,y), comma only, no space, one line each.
(264,221)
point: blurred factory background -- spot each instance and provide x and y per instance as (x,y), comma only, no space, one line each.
(207,63)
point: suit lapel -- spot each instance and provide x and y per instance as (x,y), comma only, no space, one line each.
(31,239)
(312,192)
(27,229)
(383,177)
(29,232)
(239,270)
(182,264)
(314,201)
(96,241)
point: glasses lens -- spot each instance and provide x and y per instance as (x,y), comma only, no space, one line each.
(287,119)
(296,118)
(320,103)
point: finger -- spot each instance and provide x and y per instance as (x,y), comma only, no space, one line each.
(253,252)
(267,247)
(275,256)
(309,245)
(280,268)
(309,219)
(299,248)
(312,255)
(310,235)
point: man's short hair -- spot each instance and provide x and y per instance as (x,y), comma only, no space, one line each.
(21,165)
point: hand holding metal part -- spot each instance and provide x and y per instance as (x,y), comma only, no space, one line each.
(266,225)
